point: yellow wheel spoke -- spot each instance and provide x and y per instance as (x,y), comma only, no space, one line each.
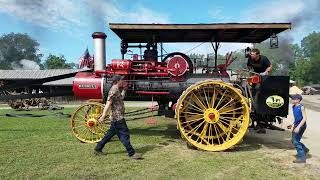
(83,129)
(91,111)
(192,113)
(204,130)
(81,125)
(210,133)
(193,121)
(217,134)
(220,100)
(227,105)
(234,113)
(98,127)
(198,110)
(198,102)
(208,95)
(185,106)
(196,107)
(205,141)
(228,124)
(82,118)
(83,114)
(86,132)
(194,117)
(223,112)
(205,95)
(200,97)
(196,128)
(229,118)
(91,135)
(223,128)
(214,96)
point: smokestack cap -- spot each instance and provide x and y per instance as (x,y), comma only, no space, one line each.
(99,35)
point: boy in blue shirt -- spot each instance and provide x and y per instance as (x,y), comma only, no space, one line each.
(299,126)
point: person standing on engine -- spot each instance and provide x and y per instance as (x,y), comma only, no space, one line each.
(118,124)
(259,63)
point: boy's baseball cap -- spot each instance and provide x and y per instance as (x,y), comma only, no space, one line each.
(296,96)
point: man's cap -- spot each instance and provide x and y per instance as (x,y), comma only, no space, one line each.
(296,96)
(116,78)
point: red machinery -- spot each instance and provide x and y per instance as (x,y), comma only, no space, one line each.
(147,77)
(212,112)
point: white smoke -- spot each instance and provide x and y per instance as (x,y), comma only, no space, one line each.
(25,64)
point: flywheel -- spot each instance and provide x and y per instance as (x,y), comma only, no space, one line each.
(85,125)
(212,115)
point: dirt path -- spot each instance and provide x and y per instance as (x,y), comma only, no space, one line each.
(312,102)
(277,144)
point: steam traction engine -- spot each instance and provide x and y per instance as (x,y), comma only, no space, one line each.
(212,112)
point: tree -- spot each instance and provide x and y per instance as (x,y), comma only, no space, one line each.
(57,62)
(311,44)
(306,70)
(197,59)
(15,47)
(314,68)
(299,73)
(240,60)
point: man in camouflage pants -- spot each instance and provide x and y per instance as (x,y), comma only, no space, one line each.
(118,124)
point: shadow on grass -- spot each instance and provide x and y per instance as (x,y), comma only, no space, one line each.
(251,141)
(170,132)
(141,150)
(140,118)
(271,140)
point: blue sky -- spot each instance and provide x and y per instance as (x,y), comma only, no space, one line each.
(65,26)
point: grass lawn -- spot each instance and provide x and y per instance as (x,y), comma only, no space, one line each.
(44,148)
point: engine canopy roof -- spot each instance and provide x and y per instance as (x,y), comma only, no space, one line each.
(218,32)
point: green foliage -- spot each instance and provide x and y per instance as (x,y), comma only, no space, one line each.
(240,61)
(310,45)
(299,72)
(15,47)
(57,62)
(198,58)
(307,58)
(315,67)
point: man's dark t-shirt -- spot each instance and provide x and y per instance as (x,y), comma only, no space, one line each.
(259,66)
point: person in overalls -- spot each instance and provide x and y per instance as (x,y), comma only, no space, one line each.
(299,126)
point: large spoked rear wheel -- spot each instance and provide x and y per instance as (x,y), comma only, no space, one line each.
(85,124)
(212,116)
